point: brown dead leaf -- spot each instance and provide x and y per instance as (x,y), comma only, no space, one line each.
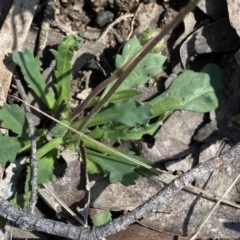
(13,34)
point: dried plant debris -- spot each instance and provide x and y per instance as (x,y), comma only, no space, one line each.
(182,140)
(182,219)
(116,4)
(148,16)
(208,133)
(72,188)
(13,36)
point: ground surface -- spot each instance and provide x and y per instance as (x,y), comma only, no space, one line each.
(210,34)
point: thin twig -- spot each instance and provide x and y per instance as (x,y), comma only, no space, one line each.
(213,209)
(66,28)
(84,136)
(31,222)
(110,26)
(167,178)
(167,175)
(34,161)
(110,79)
(133,21)
(122,73)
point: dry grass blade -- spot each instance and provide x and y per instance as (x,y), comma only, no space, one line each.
(169,177)
(65,206)
(205,219)
(92,140)
(122,73)
(166,175)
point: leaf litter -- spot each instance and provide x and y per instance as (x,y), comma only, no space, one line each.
(182,219)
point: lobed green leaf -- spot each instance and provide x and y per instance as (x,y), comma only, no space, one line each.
(45,167)
(93,168)
(115,132)
(129,112)
(102,218)
(9,146)
(59,130)
(30,69)
(13,118)
(118,96)
(122,171)
(150,66)
(109,132)
(63,72)
(198,92)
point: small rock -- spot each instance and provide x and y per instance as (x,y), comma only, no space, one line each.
(104,17)
(84,93)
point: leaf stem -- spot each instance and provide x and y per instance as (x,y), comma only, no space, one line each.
(122,73)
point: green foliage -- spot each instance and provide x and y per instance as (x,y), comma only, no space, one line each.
(147,35)
(59,130)
(107,132)
(22,200)
(118,170)
(199,92)
(126,175)
(3,222)
(45,166)
(129,112)
(63,72)
(149,66)
(9,147)
(30,69)
(102,218)
(52,144)
(13,118)
(118,96)
(117,132)
(121,118)
(93,168)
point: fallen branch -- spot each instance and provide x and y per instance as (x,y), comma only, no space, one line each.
(30,222)
(34,160)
